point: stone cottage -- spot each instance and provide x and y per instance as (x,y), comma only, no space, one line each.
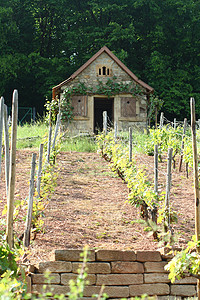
(104,83)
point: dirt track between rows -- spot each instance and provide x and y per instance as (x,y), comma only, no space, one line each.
(89,206)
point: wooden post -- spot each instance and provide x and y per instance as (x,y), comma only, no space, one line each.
(174,123)
(115,131)
(156,169)
(105,119)
(182,145)
(39,169)
(161,120)
(168,182)
(7,152)
(27,231)
(56,131)
(196,180)
(130,144)
(11,188)
(49,139)
(1,128)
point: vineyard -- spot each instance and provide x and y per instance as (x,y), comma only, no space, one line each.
(136,194)
(149,188)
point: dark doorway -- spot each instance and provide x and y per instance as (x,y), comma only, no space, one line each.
(101,105)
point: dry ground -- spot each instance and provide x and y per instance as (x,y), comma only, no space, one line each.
(89,206)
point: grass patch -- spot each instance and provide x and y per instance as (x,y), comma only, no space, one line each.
(79,144)
(31,135)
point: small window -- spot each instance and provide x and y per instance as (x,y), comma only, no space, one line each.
(104,70)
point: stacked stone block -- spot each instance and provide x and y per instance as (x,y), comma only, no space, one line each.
(124,274)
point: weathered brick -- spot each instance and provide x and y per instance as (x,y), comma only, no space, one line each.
(119,279)
(55,289)
(55,266)
(149,289)
(144,256)
(127,267)
(186,280)
(115,255)
(155,267)
(93,268)
(156,278)
(183,290)
(114,291)
(41,279)
(72,255)
(68,276)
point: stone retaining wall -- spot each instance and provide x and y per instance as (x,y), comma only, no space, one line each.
(125,274)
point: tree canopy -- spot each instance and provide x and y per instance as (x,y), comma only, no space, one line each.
(43,42)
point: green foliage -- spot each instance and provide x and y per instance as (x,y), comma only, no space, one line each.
(10,287)
(185,263)
(53,107)
(165,138)
(7,258)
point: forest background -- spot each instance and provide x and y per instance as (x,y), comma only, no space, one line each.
(42,42)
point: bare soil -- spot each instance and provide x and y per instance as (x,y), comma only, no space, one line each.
(90,207)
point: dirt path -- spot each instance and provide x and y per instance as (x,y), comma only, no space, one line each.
(89,206)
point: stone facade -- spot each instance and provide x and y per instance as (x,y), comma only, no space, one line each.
(124,274)
(125,109)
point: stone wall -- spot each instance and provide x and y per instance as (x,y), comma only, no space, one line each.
(124,274)
(90,77)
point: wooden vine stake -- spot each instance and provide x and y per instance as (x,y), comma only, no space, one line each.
(56,131)
(1,127)
(196,180)
(156,169)
(130,144)
(39,169)
(105,125)
(174,123)
(168,186)
(49,139)
(7,152)
(55,135)
(27,231)
(161,120)
(182,144)
(11,188)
